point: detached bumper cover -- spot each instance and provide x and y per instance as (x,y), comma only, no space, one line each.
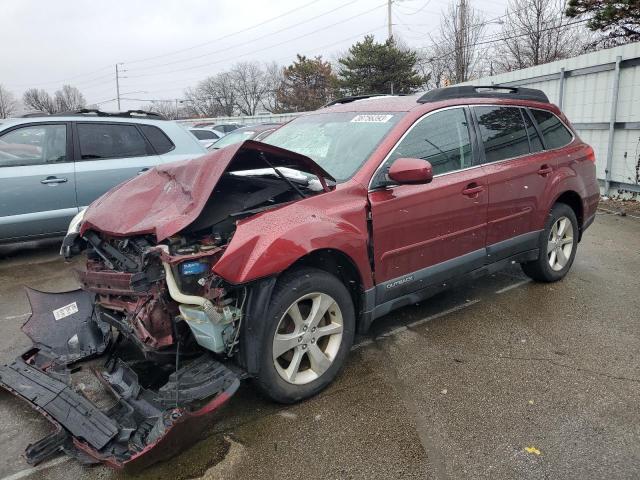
(162,419)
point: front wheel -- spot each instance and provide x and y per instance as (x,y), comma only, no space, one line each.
(558,245)
(309,332)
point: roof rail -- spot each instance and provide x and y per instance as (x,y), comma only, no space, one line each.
(98,113)
(140,113)
(353,98)
(34,114)
(482,91)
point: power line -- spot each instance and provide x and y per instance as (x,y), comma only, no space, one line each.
(318,48)
(426,4)
(248,42)
(59,82)
(264,48)
(504,39)
(209,42)
(110,66)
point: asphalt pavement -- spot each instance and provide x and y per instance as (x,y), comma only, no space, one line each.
(502,378)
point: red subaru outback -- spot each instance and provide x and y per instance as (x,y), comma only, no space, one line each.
(264,259)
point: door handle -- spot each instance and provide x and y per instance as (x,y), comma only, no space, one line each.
(142,170)
(545,170)
(53,180)
(472,190)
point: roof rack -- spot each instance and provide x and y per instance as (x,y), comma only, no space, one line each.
(481,91)
(34,114)
(353,98)
(98,113)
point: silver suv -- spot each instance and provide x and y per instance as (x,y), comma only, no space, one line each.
(52,166)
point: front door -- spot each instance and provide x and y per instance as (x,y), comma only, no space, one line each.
(423,234)
(37,181)
(108,154)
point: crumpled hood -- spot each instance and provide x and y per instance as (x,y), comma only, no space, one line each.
(169,197)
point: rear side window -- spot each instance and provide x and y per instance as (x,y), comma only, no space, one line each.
(503,132)
(158,139)
(33,145)
(534,138)
(554,132)
(104,140)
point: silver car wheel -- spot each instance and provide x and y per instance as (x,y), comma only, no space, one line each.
(308,338)
(560,243)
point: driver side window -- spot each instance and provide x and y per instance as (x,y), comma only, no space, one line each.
(442,138)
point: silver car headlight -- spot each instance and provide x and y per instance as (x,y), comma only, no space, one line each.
(76,221)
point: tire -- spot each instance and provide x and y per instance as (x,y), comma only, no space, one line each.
(301,335)
(558,244)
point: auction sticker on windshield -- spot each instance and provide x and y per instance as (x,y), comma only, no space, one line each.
(369,118)
(62,312)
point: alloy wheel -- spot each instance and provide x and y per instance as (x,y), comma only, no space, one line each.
(560,243)
(308,338)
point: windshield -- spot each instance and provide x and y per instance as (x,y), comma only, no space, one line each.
(234,137)
(338,142)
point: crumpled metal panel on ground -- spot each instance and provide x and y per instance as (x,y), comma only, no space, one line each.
(142,425)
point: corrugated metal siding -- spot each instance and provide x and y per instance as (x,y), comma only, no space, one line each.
(629,104)
(587,100)
(266,118)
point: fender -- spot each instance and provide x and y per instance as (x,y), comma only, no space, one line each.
(569,177)
(268,243)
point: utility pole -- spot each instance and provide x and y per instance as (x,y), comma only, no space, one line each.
(390,31)
(389,21)
(461,43)
(177,109)
(118,86)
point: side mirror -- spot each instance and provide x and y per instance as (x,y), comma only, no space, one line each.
(411,171)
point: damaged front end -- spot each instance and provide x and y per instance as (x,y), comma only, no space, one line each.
(148,407)
(153,324)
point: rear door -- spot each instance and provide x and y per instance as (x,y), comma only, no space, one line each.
(108,154)
(517,175)
(423,234)
(37,183)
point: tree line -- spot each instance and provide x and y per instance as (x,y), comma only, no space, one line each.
(532,32)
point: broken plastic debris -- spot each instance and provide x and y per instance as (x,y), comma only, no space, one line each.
(532,450)
(444,391)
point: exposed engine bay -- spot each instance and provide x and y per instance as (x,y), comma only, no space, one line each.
(151,306)
(160,294)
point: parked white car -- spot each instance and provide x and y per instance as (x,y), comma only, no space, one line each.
(206,136)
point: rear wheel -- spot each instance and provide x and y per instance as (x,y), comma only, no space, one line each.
(558,245)
(310,330)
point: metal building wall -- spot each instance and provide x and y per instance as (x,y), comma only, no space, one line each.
(585,88)
(264,118)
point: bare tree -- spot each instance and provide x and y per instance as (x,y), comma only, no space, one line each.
(274,79)
(250,85)
(8,104)
(534,33)
(167,108)
(434,66)
(39,100)
(455,48)
(69,99)
(213,96)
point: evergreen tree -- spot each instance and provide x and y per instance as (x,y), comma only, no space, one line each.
(371,67)
(619,20)
(307,84)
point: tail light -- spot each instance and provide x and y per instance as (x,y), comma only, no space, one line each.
(591,154)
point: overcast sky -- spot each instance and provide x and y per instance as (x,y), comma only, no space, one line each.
(167,45)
